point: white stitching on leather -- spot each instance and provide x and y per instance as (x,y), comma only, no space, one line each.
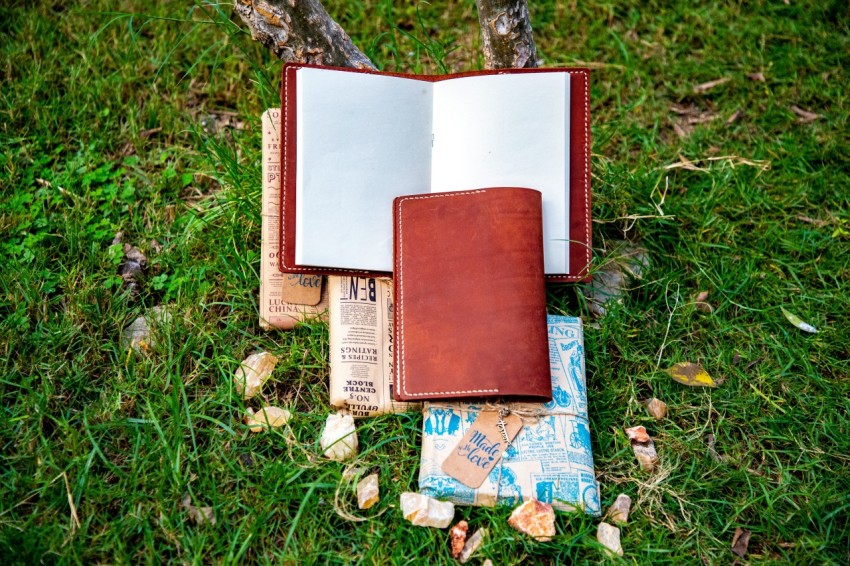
(400,299)
(586,148)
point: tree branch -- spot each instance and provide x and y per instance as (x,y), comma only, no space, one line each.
(302,31)
(506,34)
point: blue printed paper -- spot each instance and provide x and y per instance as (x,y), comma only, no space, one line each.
(550,459)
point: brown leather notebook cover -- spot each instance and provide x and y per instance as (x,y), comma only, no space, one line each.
(470,297)
(579,192)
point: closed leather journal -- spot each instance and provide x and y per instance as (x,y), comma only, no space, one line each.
(470,298)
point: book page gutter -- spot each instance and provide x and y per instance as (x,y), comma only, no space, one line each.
(508,130)
(362,140)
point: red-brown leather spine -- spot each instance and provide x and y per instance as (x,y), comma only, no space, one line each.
(470,297)
(579,191)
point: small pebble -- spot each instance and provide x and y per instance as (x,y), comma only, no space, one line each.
(609,537)
(457,536)
(253,372)
(339,438)
(424,511)
(657,408)
(643,447)
(368,491)
(619,510)
(265,418)
(472,544)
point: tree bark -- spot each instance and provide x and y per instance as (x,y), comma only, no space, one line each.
(506,34)
(302,31)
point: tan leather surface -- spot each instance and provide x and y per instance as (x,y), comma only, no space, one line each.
(580,223)
(470,316)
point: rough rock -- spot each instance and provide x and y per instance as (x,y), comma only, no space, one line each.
(457,536)
(265,418)
(424,511)
(534,518)
(472,544)
(609,537)
(643,447)
(637,434)
(368,491)
(253,372)
(619,510)
(339,438)
(657,408)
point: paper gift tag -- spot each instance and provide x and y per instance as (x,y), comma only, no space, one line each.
(301,289)
(481,447)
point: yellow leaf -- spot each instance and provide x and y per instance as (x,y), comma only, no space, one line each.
(687,373)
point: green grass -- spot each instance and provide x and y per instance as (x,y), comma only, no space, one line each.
(103,108)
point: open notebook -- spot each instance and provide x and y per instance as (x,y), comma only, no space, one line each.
(354,140)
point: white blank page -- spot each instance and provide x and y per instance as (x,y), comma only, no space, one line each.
(508,130)
(362,140)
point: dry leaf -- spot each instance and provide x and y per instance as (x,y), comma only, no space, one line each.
(710,85)
(253,373)
(681,132)
(796,321)
(610,282)
(740,541)
(199,515)
(734,117)
(688,373)
(712,450)
(805,115)
(138,334)
(701,304)
(265,418)
(817,223)
(758,77)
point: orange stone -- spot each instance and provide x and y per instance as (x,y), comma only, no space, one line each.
(534,518)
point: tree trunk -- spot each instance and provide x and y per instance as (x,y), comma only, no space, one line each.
(301,30)
(506,31)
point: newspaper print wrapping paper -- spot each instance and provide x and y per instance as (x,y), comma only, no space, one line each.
(275,312)
(360,320)
(550,460)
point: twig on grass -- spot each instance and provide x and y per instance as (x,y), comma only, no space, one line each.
(669,321)
(733,160)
